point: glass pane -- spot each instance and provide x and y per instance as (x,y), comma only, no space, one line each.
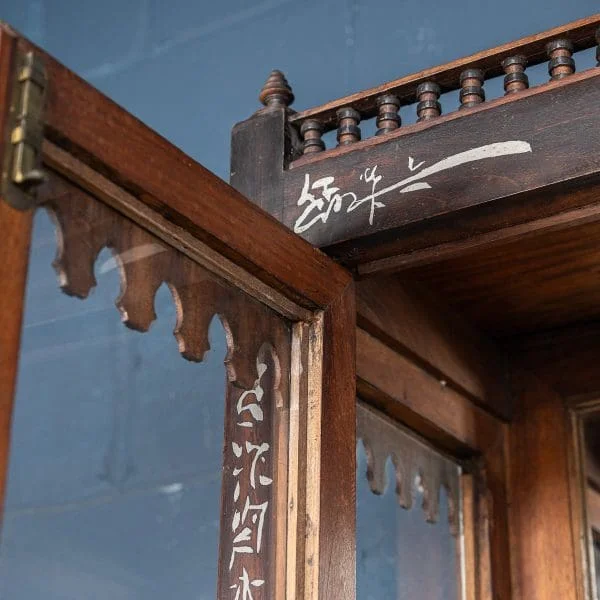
(117,442)
(401,556)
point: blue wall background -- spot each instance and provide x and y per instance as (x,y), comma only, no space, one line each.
(95,513)
(192,68)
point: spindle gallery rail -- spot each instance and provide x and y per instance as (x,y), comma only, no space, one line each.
(556,47)
(413,194)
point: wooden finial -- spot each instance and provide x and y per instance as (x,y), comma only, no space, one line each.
(560,53)
(276,93)
(471,93)
(348,129)
(311,131)
(428,94)
(388,118)
(515,79)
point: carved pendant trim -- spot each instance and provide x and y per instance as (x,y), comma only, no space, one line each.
(86,225)
(258,353)
(412,459)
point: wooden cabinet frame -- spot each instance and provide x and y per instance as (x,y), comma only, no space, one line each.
(501,406)
(96,147)
(506,241)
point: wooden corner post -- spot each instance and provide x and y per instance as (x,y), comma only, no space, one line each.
(322,529)
(263,144)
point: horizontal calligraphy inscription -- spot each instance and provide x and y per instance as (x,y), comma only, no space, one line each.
(321,198)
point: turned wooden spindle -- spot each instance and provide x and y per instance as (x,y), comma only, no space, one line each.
(515,79)
(598,47)
(311,131)
(348,130)
(560,53)
(388,118)
(471,93)
(276,93)
(428,94)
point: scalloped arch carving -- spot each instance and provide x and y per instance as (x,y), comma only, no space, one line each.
(85,226)
(412,459)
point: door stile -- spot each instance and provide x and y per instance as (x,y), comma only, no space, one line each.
(15,237)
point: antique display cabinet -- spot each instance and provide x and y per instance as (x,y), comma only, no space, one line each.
(386,330)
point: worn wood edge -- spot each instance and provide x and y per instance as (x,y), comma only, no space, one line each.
(337,550)
(312,482)
(416,128)
(447,73)
(476,537)
(105,190)
(579,517)
(296,449)
(282,431)
(215,215)
(448,250)
(476,566)
(469,562)
(482,534)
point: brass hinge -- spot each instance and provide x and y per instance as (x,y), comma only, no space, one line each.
(21,173)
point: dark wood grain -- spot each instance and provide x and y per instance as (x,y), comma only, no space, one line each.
(581,33)
(542,542)
(106,137)
(525,285)
(410,320)
(565,358)
(564,206)
(263,138)
(562,150)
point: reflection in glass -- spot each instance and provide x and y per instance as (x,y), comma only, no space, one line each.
(399,555)
(115,468)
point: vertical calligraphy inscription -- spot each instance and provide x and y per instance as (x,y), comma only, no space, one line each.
(248,503)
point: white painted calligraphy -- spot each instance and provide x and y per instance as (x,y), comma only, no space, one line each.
(317,210)
(325,201)
(243,590)
(247,524)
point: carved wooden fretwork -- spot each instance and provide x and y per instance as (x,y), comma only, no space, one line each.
(412,459)
(85,226)
(258,342)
